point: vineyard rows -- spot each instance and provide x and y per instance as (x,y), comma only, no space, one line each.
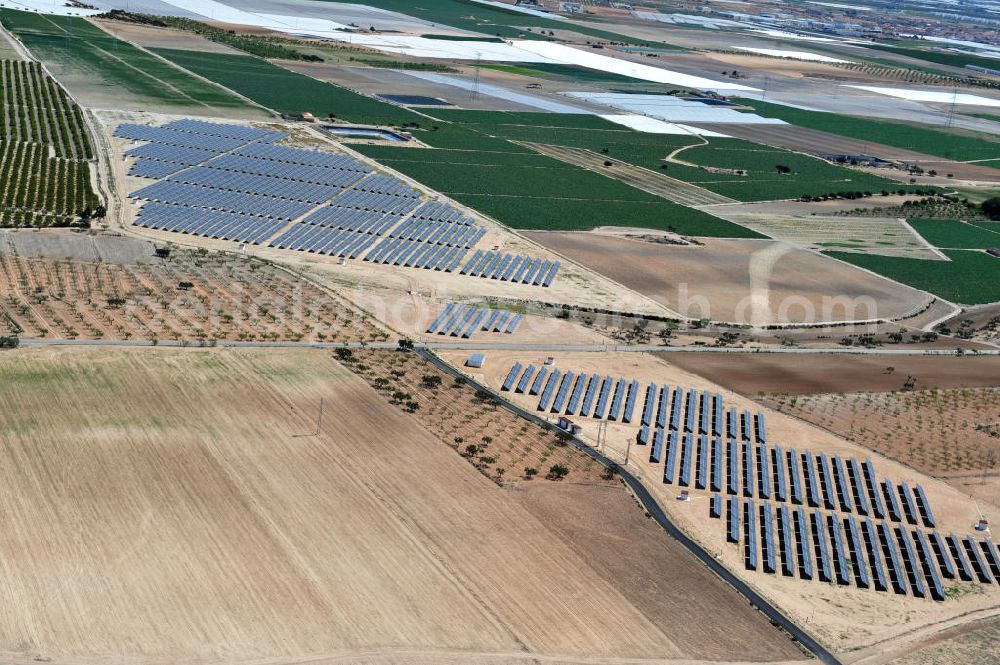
(44,148)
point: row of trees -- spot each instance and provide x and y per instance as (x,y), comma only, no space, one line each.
(30,180)
(36,110)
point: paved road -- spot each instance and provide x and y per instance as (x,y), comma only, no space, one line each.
(473,345)
(655,511)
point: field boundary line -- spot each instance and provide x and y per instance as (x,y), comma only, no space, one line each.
(923,241)
(656,512)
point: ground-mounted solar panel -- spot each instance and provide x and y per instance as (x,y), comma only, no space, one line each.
(892,504)
(812,483)
(822,548)
(656,450)
(671,462)
(979,564)
(536,385)
(924,507)
(629,409)
(551,274)
(747,425)
(501,322)
(940,548)
(794,476)
(750,535)
(617,400)
(909,505)
(563,392)
(649,404)
(642,438)
(715,507)
(733,520)
(857,484)
(962,565)
(840,480)
(548,392)
(759,430)
(802,546)
(490,320)
(701,463)
(704,412)
(856,549)
(689,413)
(784,525)
(733,428)
(763,471)
(602,398)
(576,395)
(717,411)
(676,405)
(522,384)
(897,573)
(770,558)
(874,552)
(717,466)
(826,481)
(463,321)
(749,476)
(837,545)
(475,323)
(909,556)
(927,565)
(687,445)
(992,557)
(441,318)
(589,395)
(512,375)
(733,475)
(663,407)
(778,472)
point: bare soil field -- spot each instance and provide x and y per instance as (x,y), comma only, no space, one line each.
(745,281)
(189,296)
(977,646)
(837,373)
(938,432)
(196,518)
(149,36)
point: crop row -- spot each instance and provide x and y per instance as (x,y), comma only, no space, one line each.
(31,180)
(36,110)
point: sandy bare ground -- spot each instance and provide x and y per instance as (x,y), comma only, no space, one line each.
(872,235)
(776,373)
(176,509)
(10,49)
(745,281)
(149,36)
(845,618)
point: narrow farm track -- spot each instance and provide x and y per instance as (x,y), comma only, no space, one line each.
(657,184)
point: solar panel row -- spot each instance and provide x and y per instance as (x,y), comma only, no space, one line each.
(207,223)
(324,240)
(439,233)
(410,254)
(475,319)
(514,268)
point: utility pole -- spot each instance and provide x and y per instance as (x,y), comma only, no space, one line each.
(474,93)
(319,417)
(951,111)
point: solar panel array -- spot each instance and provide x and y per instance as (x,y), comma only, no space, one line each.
(514,268)
(464,321)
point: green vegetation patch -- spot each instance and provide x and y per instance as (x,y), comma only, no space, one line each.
(941,58)
(532,191)
(970,278)
(287,91)
(564,72)
(44,151)
(923,139)
(110,62)
(954,234)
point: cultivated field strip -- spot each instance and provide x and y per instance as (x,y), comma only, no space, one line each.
(182,533)
(44,148)
(669,188)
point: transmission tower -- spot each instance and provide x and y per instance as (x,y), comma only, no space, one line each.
(951,110)
(474,92)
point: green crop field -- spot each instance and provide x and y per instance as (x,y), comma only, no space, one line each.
(941,58)
(949,145)
(953,234)
(284,90)
(808,175)
(111,63)
(970,278)
(557,71)
(496,21)
(44,150)
(531,191)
